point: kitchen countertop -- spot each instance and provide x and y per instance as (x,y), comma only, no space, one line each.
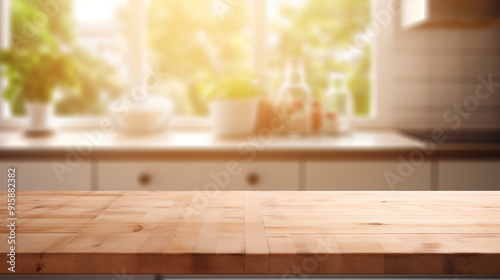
(278,233)
(198,144)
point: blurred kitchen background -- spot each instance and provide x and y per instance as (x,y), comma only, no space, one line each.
(117,43)
(191,43)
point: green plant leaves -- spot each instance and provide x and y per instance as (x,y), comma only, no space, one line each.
(36,74)
(236,86)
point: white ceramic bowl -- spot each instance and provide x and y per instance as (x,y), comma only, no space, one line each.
(151,115)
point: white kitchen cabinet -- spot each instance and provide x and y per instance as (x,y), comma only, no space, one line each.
(48,175)
(468,175)
(198,175)
(367,175)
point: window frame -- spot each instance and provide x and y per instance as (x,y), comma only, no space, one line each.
(380,116)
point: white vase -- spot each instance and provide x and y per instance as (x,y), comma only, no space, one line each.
(39,116)
(234,117)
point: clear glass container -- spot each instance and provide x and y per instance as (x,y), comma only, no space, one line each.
(337,103)
(294,98)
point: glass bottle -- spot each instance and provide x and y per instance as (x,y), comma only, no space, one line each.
(294,98)
(337,102)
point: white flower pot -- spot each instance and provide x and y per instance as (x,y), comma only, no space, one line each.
(39,116)
(234,117)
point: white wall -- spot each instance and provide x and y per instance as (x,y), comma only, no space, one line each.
(434,69)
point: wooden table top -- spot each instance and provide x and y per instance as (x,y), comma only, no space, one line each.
(255,233)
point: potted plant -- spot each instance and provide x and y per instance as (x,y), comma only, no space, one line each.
(33,76)
(234,104)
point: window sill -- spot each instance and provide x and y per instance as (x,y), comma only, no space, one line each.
(201,123)
(177,123)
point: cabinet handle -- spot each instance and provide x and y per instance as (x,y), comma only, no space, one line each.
(253,179)
(144,179)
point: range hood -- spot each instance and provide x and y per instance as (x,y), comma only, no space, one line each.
(450,13)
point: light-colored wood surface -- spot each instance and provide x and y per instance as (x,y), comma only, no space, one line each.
(256,232)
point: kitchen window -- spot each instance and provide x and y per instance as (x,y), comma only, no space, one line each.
(181,46)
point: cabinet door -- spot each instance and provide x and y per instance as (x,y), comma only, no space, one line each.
(198,175)
(469,175)
(367,175)
(48,175)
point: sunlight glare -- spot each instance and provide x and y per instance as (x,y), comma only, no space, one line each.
(95,11)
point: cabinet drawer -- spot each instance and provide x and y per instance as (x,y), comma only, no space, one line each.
(197,175)
(49,176)
(365,175)
(469,175)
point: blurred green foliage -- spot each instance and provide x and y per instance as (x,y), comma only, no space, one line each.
(198,44)
(37,65)
(37,27)
(27,74)
(99,84)
(40,23)
(323,26)
(235,86)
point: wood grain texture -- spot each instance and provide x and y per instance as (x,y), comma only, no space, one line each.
(282,233)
